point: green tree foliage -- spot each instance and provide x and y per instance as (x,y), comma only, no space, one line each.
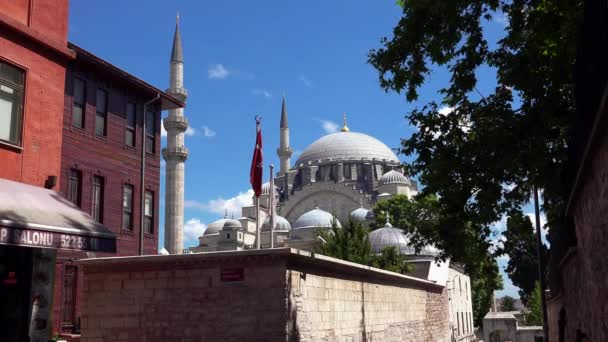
(520,246)
(534,316)
(351,243)
(507,303)
(348,243)
(391,260)
(422,218)
(484,157)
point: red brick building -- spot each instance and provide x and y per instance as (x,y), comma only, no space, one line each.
(33,59)
(101,165)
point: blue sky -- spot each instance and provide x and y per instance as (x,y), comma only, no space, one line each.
(240,58)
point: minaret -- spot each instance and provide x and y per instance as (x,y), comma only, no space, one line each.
(175,154)
(284,151)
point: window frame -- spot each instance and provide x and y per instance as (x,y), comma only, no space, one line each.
(69,294)
(150,136)
(124,209)
(97,204)
(20,117)
(75,103)
(149,219)
(131,128)
(75,175)
(103,114)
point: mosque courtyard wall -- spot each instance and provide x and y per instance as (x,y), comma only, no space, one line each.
(258,295)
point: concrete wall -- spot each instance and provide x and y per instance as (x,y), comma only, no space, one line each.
(284,295)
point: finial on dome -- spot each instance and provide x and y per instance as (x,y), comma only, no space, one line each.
(177,18)
(345,128)
(225,213)
(388,222)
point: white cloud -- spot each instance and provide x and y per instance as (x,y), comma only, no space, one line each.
(190,131)
(445,110)
(500,18)
(193,229)
(208,132)
(163,131)
(218,206)
(262,92)
(218,72)
(329,126)
(307,82)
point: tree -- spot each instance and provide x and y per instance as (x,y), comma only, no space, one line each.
(534,315)
(348,243)
(520,245)
(391,260)
(507,303)
(484,155)
(351,243)
(421,218)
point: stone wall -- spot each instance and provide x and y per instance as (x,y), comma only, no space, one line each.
(584,271)
(283,295)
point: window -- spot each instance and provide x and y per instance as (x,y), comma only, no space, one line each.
(150,132)
(228,236)
(127,207)
(130,130)
(97,198)
(101,115)
(74,186)
(347,171)
(458,323)
(11,103)
(149,212)
(68,305)
(78,108)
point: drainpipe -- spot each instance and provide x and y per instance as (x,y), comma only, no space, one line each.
(142,204)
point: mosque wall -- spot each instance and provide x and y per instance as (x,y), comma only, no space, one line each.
(268,295)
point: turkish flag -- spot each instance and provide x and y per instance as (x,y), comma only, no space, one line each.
(257,167)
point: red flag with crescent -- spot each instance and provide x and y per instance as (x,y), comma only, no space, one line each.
(256,173)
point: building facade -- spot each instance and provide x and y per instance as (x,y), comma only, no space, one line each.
(110,166)
(33,59)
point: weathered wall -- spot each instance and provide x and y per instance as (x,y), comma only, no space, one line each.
(330,308)
(584,277)
(284,296)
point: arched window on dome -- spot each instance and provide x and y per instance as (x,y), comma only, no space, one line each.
(347,173)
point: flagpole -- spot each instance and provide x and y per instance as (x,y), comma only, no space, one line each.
(272,207)
(257,222)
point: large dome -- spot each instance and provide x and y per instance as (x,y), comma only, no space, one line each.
(316,218)
(346,146)
(215,227)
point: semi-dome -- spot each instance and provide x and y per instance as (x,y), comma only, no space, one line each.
(394,177)
(281,225)
(346,146)
(362,215)
(316,218)
(214,227)
(232,224)
(389,236)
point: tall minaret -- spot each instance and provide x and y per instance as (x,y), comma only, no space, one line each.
(284,151)
(175,153)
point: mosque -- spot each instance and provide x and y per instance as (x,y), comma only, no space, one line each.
(338,177)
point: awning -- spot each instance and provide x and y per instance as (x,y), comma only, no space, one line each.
(38,217)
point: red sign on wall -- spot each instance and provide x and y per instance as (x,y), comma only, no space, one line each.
(232,274)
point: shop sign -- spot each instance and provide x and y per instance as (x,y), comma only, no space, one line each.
(59,240)
(232,274)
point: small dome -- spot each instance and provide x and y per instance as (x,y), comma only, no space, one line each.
(316,218)
(266,189)
(389,236)
(394,177)
(362,215)
(214,227)
(281,225)
(232,224)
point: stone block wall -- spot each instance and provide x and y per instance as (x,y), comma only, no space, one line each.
(328,308)
(283,295)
